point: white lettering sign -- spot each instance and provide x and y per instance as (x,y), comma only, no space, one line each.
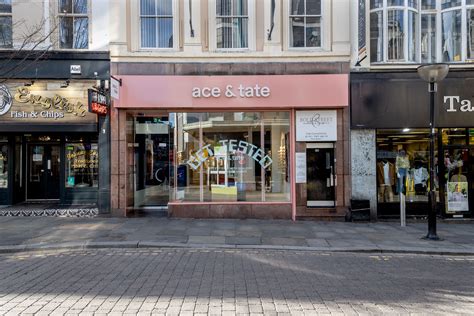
(316,126)
(232,146)
(229,91)
(75,69)
(454,103)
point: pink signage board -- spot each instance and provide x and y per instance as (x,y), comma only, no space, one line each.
(241,92)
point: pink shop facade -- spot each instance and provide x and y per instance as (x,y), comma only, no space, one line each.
(259,146)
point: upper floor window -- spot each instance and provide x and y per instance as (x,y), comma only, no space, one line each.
(425,31)
(6,24)
(73,24)
(305,23)
(156,23)
(232,24)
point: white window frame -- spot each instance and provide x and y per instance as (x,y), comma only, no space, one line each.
(252,8)
(439,37)
(290,16)
(74,15)
(8,14)
(175,16)
(325,28)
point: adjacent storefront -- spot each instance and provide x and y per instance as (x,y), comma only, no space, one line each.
(225,146)
(48,143)
(390,117)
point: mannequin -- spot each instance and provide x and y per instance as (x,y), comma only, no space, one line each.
(385,180)
(420,175)
(402,165)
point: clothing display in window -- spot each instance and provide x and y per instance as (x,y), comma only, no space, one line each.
(386,179)
(402,163)
(420,178)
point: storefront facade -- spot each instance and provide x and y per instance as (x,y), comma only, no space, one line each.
(49,143)
(390,142)
(230,146)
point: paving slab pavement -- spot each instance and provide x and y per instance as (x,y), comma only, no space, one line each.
(34,233)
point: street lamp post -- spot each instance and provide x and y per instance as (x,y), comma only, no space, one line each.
(432,74)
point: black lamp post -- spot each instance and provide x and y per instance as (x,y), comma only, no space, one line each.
(432,74)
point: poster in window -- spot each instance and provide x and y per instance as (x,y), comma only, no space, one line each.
(458,200)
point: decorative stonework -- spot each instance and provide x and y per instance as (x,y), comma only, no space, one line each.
(70,212)
(363,153)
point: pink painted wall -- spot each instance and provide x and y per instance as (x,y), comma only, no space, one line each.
(287,91)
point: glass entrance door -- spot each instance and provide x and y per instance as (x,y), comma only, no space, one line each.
(152,155)
(321,179)
(43,172)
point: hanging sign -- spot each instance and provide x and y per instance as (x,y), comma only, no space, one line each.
(115,88)
(98,102)
(312,126)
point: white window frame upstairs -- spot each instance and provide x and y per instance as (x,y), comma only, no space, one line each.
(325,28)
(438,12)
(74,15)
(252,8)
(176,32)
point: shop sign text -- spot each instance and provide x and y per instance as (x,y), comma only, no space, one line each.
(231,145)
(240,91)
(454,103)
(56,102)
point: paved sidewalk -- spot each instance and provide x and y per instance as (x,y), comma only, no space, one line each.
(33,233)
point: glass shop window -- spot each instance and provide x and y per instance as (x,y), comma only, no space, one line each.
(82,165)
(403,165)
(232,156)
(3,162)
(454,136)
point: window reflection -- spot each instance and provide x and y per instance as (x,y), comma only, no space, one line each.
(3,165)
(232,156)
(451,32)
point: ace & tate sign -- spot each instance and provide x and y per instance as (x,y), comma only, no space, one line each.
(230,91)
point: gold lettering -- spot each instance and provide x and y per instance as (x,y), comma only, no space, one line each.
(21,95)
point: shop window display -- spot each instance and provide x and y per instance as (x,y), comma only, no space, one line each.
(232,156)
(82,165)
(3,162)
(403,165)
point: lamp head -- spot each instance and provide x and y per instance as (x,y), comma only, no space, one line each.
(433,72)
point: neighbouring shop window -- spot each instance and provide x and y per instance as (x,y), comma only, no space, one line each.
(232,23)
(305,23)
(3,162)
(156,23)
(232,156)
(73,24)
(454,136)
(457,177)
(403,165)
(82,165)
(6,32)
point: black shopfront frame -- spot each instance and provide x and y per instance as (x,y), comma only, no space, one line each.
(400,99)
(16,189)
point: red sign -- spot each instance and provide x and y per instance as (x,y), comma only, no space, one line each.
(98,102)
(98,108)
